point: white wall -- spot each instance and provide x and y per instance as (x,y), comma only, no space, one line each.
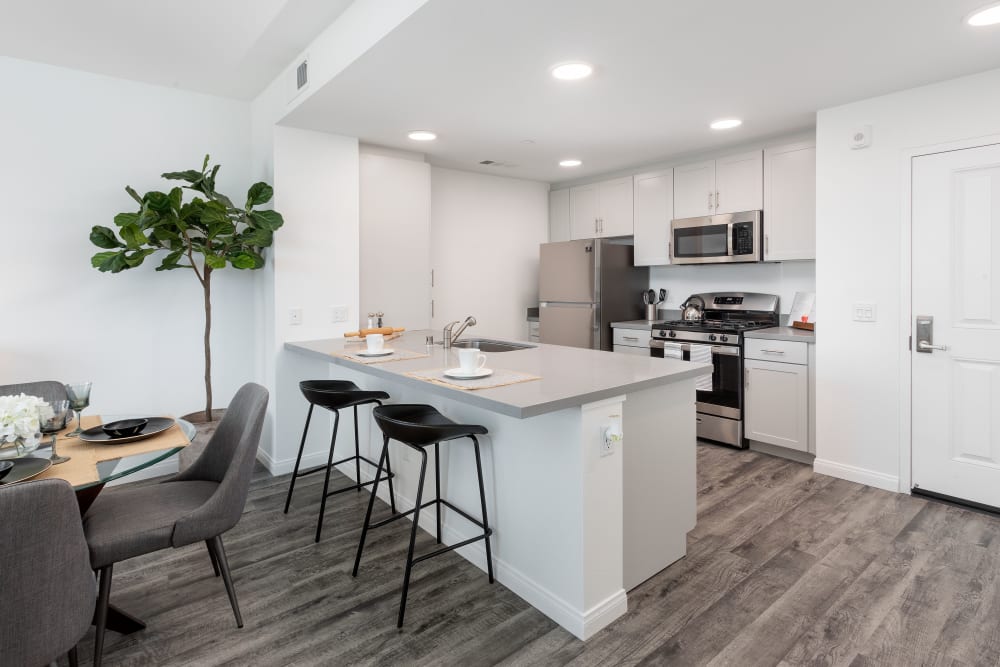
(71,143)
(781,278)
(315,267)
(395,238)
(860,223)
(485,233)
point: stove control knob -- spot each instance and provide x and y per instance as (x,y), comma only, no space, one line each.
(723,338)
(673,334)
(711,337)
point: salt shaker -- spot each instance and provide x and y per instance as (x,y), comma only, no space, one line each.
(371,320)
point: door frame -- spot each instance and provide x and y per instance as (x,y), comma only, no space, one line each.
(907,156)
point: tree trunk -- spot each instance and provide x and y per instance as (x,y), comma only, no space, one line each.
(207,285)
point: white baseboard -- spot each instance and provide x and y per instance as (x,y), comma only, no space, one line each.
(582,624)
(285,466)
(851,473)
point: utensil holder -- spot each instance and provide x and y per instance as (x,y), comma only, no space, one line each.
(651,311)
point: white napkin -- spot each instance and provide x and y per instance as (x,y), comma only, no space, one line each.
(673,351)
(702,354)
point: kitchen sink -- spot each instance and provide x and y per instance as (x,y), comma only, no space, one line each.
(489,345)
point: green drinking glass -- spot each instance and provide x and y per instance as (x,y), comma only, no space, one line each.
(79,398)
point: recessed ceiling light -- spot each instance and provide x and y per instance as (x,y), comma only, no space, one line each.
(572,71)
(422,135)
(984,16)
(570,163)
(726,124)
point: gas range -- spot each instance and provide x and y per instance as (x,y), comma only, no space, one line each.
(717,336)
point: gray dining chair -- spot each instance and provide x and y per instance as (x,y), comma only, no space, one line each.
(47,589)
(199,504)
(50,390)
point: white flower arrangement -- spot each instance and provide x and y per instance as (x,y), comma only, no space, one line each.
(21,417)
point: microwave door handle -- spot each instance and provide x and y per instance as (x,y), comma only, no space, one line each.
(729,240)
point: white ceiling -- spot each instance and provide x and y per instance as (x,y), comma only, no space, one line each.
(232,48)
(476,72)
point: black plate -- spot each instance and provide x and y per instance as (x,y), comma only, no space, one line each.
(153,426)
(26,468)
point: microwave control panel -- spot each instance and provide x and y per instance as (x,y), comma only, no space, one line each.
(742,238)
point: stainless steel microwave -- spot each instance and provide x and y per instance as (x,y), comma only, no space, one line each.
(716,239)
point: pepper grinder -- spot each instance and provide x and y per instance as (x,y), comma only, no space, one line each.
(379,315)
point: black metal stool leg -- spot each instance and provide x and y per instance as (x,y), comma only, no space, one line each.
(357,451)
(413,536)
(482,500)
(371,503)
(388,472)
(298,459)
(215,561)
(326,483)
(437,486)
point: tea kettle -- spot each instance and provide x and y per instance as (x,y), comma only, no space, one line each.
(691,311)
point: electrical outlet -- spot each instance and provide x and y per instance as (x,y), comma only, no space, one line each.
(339,313)
(295,316)
(864,312)
(607,446)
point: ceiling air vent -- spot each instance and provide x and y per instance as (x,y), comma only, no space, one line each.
(302,75)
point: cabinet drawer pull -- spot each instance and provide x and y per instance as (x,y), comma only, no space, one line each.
(773,351)
(630,338)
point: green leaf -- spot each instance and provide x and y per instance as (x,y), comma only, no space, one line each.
(135,257)
(103,237)
(123,219)
(176,197)
(157,201)
(133,194)
(113,262)
(214,212)
(270,220)
(204,165)
(133,236)
(243,261)
(191,176)
(259,193)
(215,261)
(261,238)
(166,234)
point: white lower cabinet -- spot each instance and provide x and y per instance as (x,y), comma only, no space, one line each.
(777,399)
(632,341)
(627,349)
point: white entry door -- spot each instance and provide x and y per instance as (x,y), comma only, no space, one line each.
(956,281)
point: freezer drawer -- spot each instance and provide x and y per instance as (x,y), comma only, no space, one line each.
(574,325)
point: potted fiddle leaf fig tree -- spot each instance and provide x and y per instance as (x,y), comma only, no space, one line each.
(202,235)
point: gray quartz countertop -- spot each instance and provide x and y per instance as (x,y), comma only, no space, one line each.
(783,333)
(634,324)
(570,376)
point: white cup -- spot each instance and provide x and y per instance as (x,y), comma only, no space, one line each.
(375,342)
(471,359)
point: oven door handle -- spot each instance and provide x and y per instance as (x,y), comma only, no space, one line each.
(726,350)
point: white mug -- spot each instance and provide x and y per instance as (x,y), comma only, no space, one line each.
(471,359)
(375,342)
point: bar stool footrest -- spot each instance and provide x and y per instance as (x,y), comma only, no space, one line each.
(451,547)
(357,485)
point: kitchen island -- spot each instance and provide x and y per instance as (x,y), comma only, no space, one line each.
(576,523)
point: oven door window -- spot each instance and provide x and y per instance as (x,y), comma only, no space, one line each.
(727,381)
(706,241)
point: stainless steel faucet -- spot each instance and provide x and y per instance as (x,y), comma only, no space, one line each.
(450,337)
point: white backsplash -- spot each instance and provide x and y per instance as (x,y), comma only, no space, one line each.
(781,278)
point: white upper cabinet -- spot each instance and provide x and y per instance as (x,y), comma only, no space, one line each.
(790,202)
(694,190)
(616,207)
(601,209)
(739,183)
(584,212)
(654,208)
(727,185)
(559,215)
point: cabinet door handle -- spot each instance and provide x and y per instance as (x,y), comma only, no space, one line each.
(709,201)
(716,200)
(767,244)
(595,225)
(746,378)
(670,250)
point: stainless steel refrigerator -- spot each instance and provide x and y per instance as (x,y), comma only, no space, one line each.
(584,286)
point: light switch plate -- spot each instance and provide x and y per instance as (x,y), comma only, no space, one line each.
(339,313)
(295,316)
(865,312)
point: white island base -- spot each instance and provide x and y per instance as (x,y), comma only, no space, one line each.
(574,526)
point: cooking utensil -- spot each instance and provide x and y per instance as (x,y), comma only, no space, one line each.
(652,296)
(663,296)
(690,311)
(645,297)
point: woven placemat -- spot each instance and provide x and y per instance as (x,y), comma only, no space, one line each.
(500,378)
(397,355)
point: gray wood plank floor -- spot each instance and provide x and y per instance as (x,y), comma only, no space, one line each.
(785,567)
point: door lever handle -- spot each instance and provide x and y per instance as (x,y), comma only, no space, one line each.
(925,346)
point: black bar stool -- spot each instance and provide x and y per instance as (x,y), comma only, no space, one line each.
(335,395)
(418,426)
